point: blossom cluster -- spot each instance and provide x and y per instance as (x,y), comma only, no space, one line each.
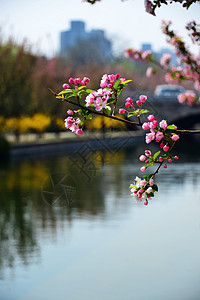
(135,111)
(143,55)
(162,133)
(150,159)
(98,98)
(194,30)
(144,188)
(188,98)
(108,81)
(150,6)
(73,124)
(76,82)
(189,68)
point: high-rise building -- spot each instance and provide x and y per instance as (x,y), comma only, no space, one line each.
(146,46)
(77,33)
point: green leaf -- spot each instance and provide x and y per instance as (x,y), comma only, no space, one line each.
(125,82)
(171,127)
(155,187)
(132,186)
(143,111)
(151,194)
(116,84)
(78,111)
(150,176)
(156,155)
(65,92)
(89,117)
(69,96)
(132,113)
(88,91)
(80,88)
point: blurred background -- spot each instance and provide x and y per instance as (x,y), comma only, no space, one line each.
(69,228)
(43,43)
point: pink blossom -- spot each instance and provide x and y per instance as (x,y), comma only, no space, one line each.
(142,169)
(163,124)
(168,78)
(138,103)
(155,122)
(151,118)
(149,190)
(142,158)
(176,157)
(85,80)
(165,166)
(170,160)
(165,59)
(146,202)
(99,104)
(161,145)
(79,131)
(175,137)
(150,137)
(146,54)
(150,71)
(152,126)
(66,86)
(69,122)
(143,182)
(127,104)
(142,98)
(151,182)
(129,100)
(159,136)
(90,98)
(122,111)
(77,80)
(147,153)
(160,159)
(70,112)
(145,126)
(166,148)
(188,97)
(181,98)
(197,85)
(71,80)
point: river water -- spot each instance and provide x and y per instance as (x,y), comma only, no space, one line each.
(71,230)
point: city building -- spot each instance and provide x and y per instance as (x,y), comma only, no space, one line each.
(146,47)
(77,33)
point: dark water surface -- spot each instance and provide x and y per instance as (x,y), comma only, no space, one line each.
(69,229)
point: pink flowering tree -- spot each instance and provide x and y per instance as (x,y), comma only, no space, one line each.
(104,100)
(152,5)
(188,68)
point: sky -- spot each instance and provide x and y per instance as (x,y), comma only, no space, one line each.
(125,23)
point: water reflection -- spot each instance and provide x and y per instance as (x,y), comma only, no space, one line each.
(41,198)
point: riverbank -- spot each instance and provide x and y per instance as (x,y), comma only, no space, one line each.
(67,143)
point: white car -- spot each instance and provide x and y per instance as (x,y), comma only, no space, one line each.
(169,90)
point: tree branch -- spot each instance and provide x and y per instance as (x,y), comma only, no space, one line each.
(104,115)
